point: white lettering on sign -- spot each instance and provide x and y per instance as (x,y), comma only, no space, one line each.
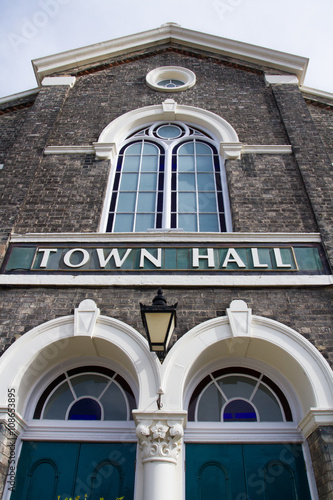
(255,258)
(68,255)
(209,257)
(115,254)
(278,258)
(46,255)
(157,261)
(232,256)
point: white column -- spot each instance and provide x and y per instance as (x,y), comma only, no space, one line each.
(160,438)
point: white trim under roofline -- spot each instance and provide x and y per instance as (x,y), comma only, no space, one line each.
(170,32)
(19,95)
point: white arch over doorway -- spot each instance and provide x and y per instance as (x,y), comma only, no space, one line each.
(242,336)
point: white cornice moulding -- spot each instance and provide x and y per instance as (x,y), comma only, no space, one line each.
(160,236)
(141,279)
(315,94)
(167,34)
(316,418)
(271,149)
(69,150)
(59,80)
(281,79)
(20,95)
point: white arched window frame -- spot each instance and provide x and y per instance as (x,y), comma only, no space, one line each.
(168,176)
(218,132)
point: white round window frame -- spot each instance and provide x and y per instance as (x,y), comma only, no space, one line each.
(170,72)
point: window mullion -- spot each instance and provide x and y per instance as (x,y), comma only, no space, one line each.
(166,218)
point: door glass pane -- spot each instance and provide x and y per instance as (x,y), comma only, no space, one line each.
(268,407)
(89,384)
(114,404)
(237,386)
(58,403)
(239,410)
(85,409)
(210,405)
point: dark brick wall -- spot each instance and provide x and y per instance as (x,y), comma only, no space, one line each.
(10,125)
(267,195)
(322,115)
(22,311)
(321,449)
(24,156)
(311,156)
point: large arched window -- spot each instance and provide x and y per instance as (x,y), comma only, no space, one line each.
(238,395)
(168,176)
(89,393)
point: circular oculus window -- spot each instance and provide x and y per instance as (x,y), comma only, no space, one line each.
(170,79)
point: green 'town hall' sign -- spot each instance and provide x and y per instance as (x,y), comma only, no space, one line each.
(170,259)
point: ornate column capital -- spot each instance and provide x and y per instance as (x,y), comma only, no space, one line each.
(160,434)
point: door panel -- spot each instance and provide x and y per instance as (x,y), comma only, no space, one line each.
(84,471)
(246,472)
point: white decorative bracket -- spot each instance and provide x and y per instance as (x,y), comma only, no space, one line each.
(160,435)
(281,79)
(49,81)
(231,150)
(169,109)
(104,150)
(240,317)
(85,317)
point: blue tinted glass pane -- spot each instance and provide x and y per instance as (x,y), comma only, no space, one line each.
(186,164)
(123,223)
(149,163)
(239,411)
(187,202)
(186,182)
(126,202)
(89,385)
(144,222)
(114,404)
(146,202)
(169,131)
(129,182)
(207,202)
(170,83)
(202,149)
(204,164)
(131,164)
(149,149)
(186,149)
(208,223)
(206,182)
(148,182)
(188,222)
(134,149)
(267,405)
(58,403)
(85,409)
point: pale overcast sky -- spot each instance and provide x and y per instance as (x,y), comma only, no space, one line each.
(30,29)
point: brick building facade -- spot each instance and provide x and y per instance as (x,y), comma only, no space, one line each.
(254,315)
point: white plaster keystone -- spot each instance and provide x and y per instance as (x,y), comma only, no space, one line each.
(169,108)
(85,317)
(240,317)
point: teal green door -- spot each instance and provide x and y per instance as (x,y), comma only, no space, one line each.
(91,471)
(246,472)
